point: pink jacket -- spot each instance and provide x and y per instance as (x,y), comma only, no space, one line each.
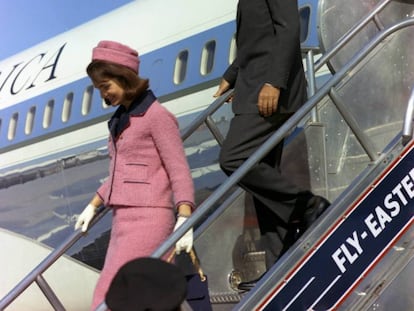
(148,166)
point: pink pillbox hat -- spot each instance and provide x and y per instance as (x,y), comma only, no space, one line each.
(117,53)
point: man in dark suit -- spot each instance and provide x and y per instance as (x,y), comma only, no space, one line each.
(269,86)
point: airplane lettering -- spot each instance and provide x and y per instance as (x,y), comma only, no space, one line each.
(397,191)
(376,222)
(7,78)
(377,225)
(408,184)
(391,205)
(25,75)
(53,65)
(21,74)
(343,254)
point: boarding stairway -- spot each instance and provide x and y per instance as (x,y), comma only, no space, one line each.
(348,163)
(355,136)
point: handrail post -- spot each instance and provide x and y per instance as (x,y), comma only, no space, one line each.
(310,74)
(274,139)
(217,103)
(352,123)
(35,274)
(407,132)
(350,34)
(232,180)
(49,294)
(47,262)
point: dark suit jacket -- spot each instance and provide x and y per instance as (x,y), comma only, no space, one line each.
(268,51)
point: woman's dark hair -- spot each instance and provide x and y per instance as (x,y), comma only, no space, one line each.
(132,84)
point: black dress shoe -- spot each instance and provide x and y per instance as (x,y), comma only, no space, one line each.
(294,232)
(315,207)
(246,286)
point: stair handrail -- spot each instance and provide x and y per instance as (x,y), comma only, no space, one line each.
(35,274)
(407,132)
(207,206)
(273,140)
(203,116)
(315,66)
(248,301)
(32,276)
(345,38)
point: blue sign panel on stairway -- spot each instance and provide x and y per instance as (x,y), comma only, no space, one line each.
(380,216)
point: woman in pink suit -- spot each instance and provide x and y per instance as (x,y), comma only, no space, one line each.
(149,178)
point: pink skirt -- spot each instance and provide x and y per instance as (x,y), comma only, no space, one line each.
(136,232)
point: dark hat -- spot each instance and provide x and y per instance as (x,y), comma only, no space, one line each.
(147,284)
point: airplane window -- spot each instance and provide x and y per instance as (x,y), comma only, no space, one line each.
(67,107)
(180,68)
(30,120)
(233,49)
(87,100)
(48,113)
(12,126)
(207,57)
(105,106)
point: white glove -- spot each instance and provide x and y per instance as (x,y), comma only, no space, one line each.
(85,217)
(186,241)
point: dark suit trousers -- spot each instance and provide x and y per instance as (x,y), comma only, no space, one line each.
(274,195)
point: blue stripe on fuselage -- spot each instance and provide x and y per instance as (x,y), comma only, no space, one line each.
(158,66)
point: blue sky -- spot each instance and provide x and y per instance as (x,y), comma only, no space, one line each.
(24,23)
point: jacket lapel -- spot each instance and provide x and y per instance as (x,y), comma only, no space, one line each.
(120,119)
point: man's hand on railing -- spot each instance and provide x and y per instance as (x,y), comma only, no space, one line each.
(85,217)
(223,87)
